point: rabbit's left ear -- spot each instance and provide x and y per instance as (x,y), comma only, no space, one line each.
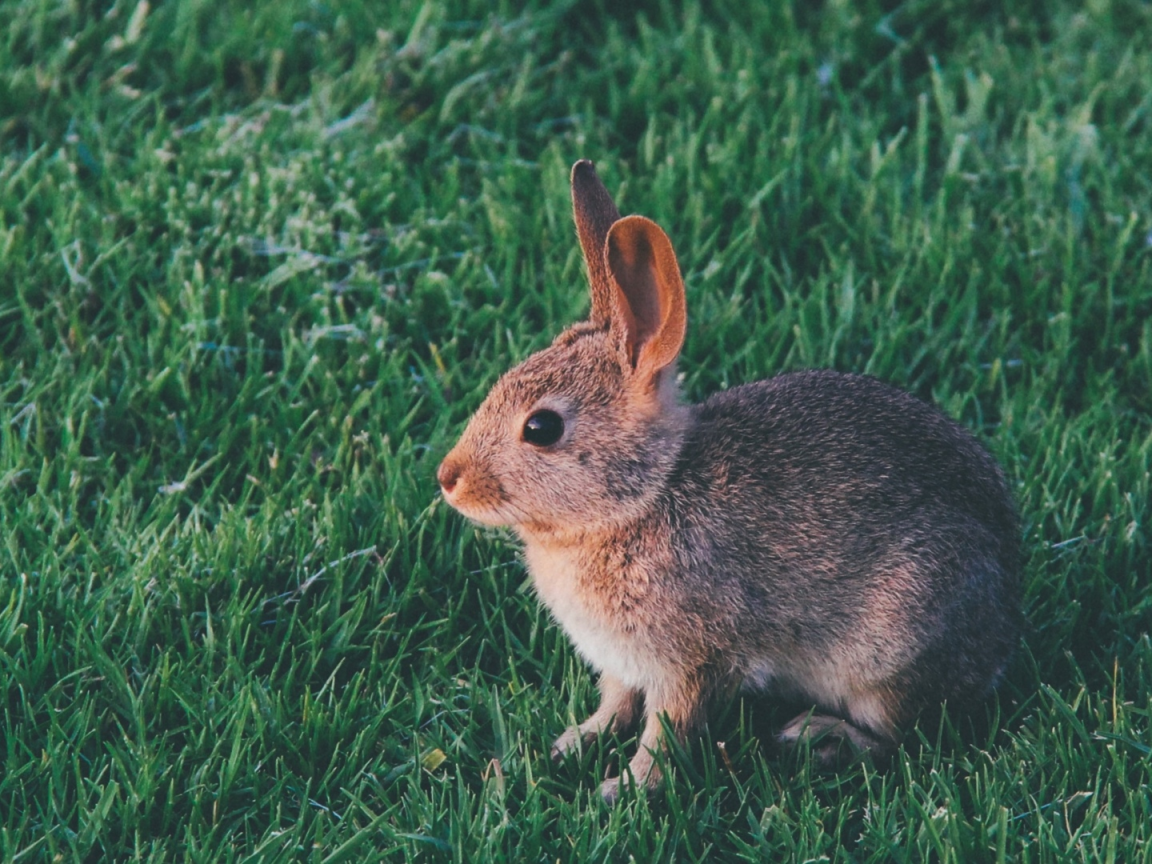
(651,314)
(594,212)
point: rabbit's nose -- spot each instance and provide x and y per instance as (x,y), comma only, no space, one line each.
(448,473)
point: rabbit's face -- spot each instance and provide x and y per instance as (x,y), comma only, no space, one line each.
(562,439)
(586,431)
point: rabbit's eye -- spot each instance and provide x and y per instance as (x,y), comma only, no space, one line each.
(543,428)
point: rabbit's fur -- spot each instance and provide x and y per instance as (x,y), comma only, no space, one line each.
(821,535)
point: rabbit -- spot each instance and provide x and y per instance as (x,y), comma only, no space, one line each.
(818,535)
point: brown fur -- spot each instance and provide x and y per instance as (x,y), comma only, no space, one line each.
(821,535)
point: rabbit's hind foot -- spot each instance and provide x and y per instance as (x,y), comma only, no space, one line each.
(833,741)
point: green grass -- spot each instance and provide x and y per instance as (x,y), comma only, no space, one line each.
(258,265)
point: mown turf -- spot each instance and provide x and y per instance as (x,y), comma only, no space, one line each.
(257,265)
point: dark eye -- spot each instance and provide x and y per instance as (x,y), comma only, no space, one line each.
(543,428)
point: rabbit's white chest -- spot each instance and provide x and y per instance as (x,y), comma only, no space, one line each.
(626,654)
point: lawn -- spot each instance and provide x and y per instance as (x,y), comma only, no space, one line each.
(258,263)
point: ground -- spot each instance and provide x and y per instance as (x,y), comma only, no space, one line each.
(258,262)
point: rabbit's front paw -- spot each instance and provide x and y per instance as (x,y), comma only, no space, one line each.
(610,790)
(566,743)
(642,771)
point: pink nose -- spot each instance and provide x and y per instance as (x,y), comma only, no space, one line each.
(448,474)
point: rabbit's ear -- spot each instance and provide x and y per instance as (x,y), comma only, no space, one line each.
(652,316)
(595,213)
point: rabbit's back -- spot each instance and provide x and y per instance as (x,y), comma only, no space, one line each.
(843,523)
(849,447)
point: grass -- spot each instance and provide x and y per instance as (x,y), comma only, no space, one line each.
(259,262)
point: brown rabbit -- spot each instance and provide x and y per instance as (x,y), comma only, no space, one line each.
(821,535)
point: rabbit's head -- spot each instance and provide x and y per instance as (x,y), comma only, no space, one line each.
(585,431)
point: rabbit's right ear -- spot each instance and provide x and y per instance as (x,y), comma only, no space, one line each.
(595,213)
(653,318)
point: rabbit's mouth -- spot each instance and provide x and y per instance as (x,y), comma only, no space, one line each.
(494,517)
(479,497)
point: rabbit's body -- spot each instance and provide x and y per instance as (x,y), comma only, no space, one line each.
(858,579)
(820,535)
